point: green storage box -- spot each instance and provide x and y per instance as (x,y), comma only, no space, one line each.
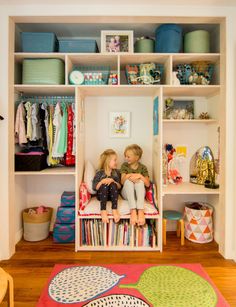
(197,42)
(43,71)
(144,45)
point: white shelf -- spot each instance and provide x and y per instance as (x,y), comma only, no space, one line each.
(187,58)
(119,90)
(45,89)
(191,90)
(188,188)
(117,248)
(20,56)
(189,121)
(50,171)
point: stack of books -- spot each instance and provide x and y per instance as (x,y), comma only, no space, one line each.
(95,233)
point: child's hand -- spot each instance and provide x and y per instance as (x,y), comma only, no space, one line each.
(135,177)
(107,181)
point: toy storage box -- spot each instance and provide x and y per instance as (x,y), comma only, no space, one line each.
(39,42)
(30,162)
(68,199)
(64,233)
(43,71)
(65,215)
(78,45)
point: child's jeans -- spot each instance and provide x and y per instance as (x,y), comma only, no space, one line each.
(134,193)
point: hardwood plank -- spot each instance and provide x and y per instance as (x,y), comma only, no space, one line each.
(33,262)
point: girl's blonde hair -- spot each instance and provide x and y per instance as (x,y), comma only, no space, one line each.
(105,159)
(137,150)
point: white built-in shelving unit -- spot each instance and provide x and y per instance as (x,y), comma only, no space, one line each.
(29,187)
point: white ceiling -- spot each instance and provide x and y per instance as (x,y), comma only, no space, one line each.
(123,2)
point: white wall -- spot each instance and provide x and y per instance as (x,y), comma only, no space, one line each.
(117,9)
(97,111)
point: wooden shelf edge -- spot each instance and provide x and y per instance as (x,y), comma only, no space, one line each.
(192,121)
(117,248)
(187,188)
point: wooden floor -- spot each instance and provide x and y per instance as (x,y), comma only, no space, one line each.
(33,262)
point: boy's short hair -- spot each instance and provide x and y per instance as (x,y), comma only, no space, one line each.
(137,150)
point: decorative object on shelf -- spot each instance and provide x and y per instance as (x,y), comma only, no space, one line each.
(175,79)
(202,168)
(76,77)
(117,41)
(169,38)
(92,75)
(174,161)
(148,73)
(119,124)
(156,116)
(198,222)
(70,45)
(164,168)
(132,73)
(113,79)
(204,115)
(196,73)
(197,42)
(144,44)
(39,42)
(179,109)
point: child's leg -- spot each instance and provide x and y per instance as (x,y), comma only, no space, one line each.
(113,196)
(140,194)
(103,197)
(128,193)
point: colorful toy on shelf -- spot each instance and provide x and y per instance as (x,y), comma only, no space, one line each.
(202,168)
(113,79)
(178,109)
(148,73)
(173,174)
(196,73)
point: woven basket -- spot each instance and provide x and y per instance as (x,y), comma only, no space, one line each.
(36,226)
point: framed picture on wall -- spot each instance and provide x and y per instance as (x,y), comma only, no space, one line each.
(119,124)
(116,41)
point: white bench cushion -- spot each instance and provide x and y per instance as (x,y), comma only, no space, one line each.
(93,208)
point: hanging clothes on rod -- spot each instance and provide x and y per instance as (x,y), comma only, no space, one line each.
(47,122)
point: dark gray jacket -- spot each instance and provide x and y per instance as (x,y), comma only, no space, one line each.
(101,175)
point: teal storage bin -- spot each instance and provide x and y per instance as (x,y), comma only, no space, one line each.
(144,45)
(197,42)
(43,71)
(39,42)
(78,45)
(169,38)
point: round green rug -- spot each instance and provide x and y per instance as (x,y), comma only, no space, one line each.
(172,286)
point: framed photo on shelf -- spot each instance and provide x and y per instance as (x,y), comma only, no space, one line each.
(179,109)
(119,124)
(117,41)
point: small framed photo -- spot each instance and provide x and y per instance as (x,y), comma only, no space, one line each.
(117,41)
(179,109)
(119,124)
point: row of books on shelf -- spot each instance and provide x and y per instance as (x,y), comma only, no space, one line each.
(95,233)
